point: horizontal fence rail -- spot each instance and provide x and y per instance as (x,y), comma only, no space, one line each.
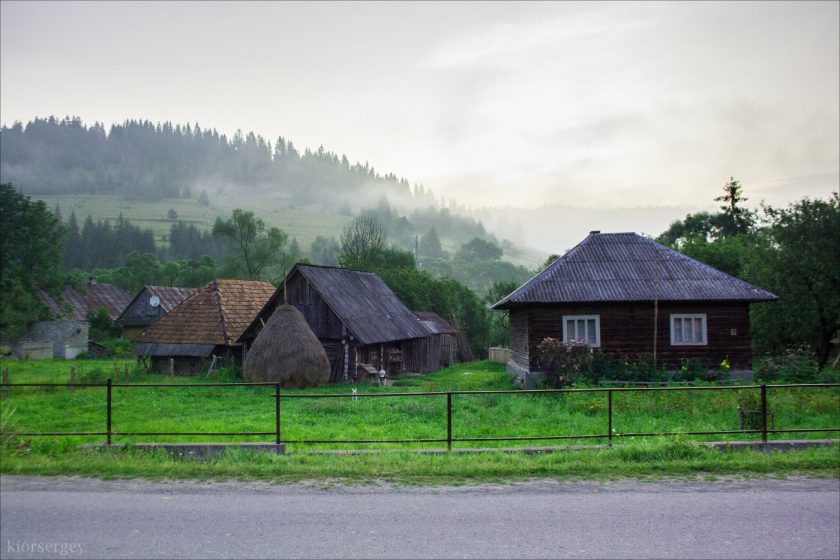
(278,396)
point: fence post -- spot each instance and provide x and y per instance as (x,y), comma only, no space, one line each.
(72,378)
(277,413)
(109,411)
(5,381)
(609,417)
(449,421)
(764,413)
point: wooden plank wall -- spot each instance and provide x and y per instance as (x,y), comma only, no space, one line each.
(627,329)
(519,335)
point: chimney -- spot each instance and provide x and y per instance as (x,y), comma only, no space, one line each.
(595,232)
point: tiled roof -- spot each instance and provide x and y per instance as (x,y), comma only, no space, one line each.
(97,296)
(626,267)
(217,314)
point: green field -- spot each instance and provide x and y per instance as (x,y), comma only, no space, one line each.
(246,409)
(302,221)
(305,222)
(156,409)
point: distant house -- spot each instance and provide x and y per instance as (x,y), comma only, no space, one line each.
(205,325)
(628,295)
(66,336)
(150,305)
(361,323)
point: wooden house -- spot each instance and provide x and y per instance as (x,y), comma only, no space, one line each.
(204,326)
(66,335)
(150,305)
(628,295)
(361,323)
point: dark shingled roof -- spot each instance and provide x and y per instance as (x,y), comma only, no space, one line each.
(218,314)
(170,297)
(626,267)
(433,323)
(96,296)
(364,303)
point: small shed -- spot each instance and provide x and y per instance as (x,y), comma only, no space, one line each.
(66,335)
(442,339)
(628,295)
(207,324)
(151,304)
(360,322)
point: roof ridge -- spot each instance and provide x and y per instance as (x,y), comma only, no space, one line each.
(218,293)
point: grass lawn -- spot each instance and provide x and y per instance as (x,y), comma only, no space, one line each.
(211,409)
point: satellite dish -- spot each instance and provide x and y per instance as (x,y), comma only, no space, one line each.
(154,301)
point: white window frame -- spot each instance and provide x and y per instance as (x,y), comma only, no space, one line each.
(597,318)
(689,316)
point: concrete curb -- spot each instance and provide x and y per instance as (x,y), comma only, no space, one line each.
(198,450)
(213,449)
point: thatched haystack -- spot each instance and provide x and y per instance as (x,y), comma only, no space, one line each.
(287,351)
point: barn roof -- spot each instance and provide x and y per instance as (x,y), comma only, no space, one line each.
(626,267)
(366,306)
(364,303)
(433,323)
(96,296)
(218,313)
(169,296)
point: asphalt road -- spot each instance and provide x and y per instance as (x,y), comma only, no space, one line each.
(81,518)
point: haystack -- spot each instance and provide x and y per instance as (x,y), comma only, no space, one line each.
(287,351)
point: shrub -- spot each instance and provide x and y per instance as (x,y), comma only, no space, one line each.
(796,365)
(563,361)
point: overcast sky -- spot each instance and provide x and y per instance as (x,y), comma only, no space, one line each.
(592,104)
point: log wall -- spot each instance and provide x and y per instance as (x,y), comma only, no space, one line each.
(627,329)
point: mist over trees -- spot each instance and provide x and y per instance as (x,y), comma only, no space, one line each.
(152,161)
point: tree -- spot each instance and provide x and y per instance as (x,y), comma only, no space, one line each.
(31,246)
(323,251)
(429,245)
(721,240)
(798,258)
(478,249)
(499,319)
(203,199)
(734,219)
(257,248)
(361,243)
(549,260)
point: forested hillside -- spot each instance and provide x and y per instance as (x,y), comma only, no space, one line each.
(152,161)
(159,189)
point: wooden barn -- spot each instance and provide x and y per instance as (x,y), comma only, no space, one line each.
(66,335)
(204,326)
(628,295)
(150,305)
(362,325)
(443,339)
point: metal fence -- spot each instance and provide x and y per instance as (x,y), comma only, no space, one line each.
(278,396)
